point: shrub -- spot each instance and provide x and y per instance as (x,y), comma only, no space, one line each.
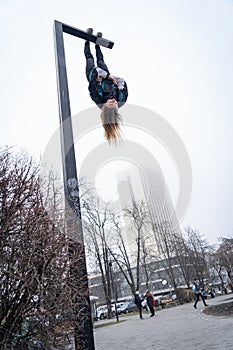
(184,295)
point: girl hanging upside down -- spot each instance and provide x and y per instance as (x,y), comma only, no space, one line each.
(107,91)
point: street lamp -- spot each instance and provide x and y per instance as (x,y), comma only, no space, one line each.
(164,282)
(84,339)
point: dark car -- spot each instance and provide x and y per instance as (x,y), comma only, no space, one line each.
(128,306)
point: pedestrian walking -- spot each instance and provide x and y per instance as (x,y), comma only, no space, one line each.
(198,293)
(150,302)
(138,302)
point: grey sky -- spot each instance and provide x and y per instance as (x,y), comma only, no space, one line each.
(177,59)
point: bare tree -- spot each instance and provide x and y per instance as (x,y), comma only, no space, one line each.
(225,257)
(138,215)
(217,268)
(182,256)
(39,296)
(103,230)
(97,228)
(132,245)
(120,253)
(198,249)
(166,239)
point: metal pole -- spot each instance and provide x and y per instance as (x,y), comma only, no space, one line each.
(84,338)
(113,291)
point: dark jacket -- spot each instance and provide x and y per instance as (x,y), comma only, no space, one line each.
(149,300)
(101,92)
(138,300)
(196,287)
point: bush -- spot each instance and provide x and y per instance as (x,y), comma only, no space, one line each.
(184,295)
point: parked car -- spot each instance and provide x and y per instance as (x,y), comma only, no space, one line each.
(128,306)
(118,306)
(102,312)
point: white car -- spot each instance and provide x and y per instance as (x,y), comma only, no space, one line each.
(102,312)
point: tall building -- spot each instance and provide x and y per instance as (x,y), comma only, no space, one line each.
(148,185)
(158,198)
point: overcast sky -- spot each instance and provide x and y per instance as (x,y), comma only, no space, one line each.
(176,57)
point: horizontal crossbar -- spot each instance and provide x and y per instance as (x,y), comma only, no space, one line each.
(86,36)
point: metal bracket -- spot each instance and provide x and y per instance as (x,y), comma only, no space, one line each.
(87,36)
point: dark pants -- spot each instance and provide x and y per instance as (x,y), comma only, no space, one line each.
(152,310)
(90,63)
(140,310)
(198,295)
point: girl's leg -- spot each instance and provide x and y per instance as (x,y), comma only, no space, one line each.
(100,59)
(89,59)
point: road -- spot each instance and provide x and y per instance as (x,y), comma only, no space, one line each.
(176,328)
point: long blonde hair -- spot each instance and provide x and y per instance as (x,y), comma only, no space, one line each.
(111,121)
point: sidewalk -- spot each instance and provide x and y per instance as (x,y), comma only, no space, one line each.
(177,328)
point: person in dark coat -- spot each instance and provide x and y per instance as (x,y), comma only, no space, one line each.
(138,302)
(198,293)
(150,302)
(107,91)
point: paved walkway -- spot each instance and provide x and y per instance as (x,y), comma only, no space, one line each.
(176,328)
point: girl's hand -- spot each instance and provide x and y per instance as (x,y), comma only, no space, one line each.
(99,79)
(110,77)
